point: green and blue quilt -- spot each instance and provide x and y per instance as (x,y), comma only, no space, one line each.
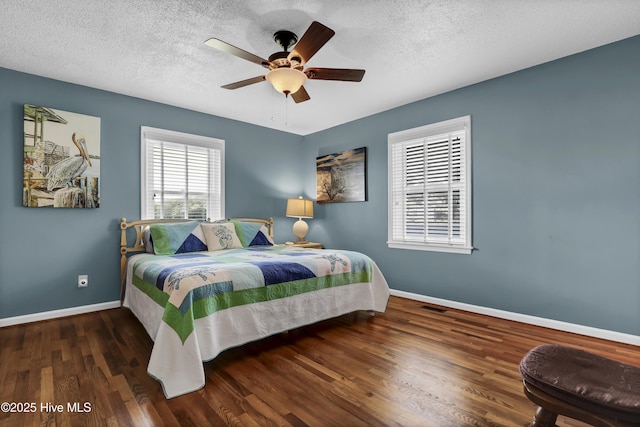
(196,284)
(195,305)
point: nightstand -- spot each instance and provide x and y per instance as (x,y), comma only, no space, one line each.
(310,245)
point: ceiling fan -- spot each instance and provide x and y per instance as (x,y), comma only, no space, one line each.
(286,69)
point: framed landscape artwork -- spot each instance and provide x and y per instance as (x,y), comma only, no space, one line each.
(61,167)
(342,177)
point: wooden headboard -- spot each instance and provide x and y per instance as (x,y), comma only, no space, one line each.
(139,245)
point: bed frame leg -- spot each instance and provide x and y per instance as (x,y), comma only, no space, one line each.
(544,418)
(371,313)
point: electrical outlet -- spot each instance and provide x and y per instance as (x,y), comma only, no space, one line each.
(83,280)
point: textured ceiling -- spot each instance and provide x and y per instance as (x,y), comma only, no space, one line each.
(411,49)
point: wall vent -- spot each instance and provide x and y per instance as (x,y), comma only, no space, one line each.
(434,308)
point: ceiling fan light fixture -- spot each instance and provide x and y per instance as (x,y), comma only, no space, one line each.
(286,73)
(286,80)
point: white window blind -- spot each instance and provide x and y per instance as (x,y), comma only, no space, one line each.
(430,187)
(182,175)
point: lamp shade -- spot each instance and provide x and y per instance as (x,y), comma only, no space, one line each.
(300,208)
(286,80)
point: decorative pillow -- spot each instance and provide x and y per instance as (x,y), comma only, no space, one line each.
(147,240)
(176,238)
(221,236)
(252,234)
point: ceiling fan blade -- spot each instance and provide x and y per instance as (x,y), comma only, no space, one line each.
(228,48)
(342,74)
(311,41)
(301,95)
(243,83)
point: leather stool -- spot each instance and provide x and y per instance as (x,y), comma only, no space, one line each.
(581,385)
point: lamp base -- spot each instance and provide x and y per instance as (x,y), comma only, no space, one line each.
(300,229)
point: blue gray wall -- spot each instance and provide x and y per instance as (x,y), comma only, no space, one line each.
(556,192)
(42,251)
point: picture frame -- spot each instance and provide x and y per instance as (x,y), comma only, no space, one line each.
(342,177)
(61,163)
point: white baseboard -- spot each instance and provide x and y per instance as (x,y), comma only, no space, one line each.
(518,317)
(524,318)
(46,315)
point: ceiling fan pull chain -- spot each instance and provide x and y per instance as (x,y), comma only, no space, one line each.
(286,111)
(273,106)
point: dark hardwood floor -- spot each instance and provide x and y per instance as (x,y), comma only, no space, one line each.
(416,365)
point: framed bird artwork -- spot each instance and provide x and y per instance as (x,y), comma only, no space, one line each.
(61,159)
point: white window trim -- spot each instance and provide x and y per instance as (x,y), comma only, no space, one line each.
(422,132)
(147,132)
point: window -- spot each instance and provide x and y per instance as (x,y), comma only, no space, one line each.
(182,175)
(430,187)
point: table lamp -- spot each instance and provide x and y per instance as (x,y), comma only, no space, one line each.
(300,208)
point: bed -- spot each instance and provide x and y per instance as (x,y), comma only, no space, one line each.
(199,288)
